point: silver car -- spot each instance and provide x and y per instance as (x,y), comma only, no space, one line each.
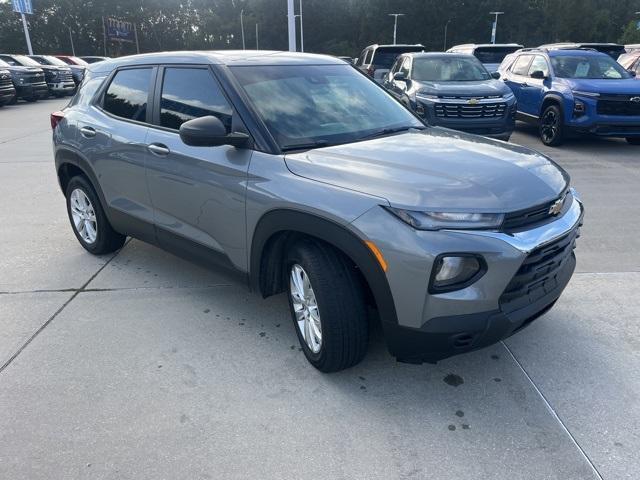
(303,176)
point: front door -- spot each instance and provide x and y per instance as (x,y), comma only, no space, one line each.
(198,193)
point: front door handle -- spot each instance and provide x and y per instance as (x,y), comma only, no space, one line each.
(524,85)
(88,132)
(159,149)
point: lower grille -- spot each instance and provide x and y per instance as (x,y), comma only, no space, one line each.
(461,110)
(540,273)
(6,82)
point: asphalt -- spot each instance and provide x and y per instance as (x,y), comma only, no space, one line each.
(140,365)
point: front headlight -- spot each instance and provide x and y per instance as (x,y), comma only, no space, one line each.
(586,94)
(448,220)
(426,95)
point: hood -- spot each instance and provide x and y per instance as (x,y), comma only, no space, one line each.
(437,169)
(481,88)
(491,67)
(624,85)
(18,69)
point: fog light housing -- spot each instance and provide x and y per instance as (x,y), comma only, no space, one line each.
(455,271)
(579,108)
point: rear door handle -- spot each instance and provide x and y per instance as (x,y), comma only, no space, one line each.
(159,149)
(88,132)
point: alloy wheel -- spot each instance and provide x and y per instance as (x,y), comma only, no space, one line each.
(84,216)
(549,126)
(305,307)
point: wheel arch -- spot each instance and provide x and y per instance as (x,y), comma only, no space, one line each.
(70,164)
(277,228)
(552,99)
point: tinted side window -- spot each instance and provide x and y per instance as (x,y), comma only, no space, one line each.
(521,65)
(189,93)
(539,64)
(127,94)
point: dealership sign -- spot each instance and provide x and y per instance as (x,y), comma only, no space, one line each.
(119,30)
(22,6)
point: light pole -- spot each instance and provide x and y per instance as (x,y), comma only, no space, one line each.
(444,48)
(301,30)
(495,26)
(291,26)
(242,27)
(73,50)
(395,24)
(257,37)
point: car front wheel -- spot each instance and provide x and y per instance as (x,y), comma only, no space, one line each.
(551,127)
(88,220)
(327,303)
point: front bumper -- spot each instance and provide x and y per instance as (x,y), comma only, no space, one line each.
(7,95)
(40,90)
(62,88)
(431,327)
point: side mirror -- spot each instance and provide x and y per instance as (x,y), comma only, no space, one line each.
(539,74)
(495,75)
(210,132)
(399,77)
(632,72)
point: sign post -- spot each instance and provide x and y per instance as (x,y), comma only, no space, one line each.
(22,7)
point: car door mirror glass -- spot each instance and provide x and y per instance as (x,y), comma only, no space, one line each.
(539,74)
(209,131)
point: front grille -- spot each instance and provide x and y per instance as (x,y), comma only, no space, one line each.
(66,77)
(540,273)
(621,105)
(465,110)
(534,216)
(5,81)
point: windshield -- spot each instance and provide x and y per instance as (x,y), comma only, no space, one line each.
(587,66)
(493,54)
(384,57)
(3,63)
(320,104)
(442,69)
(26,61)
(54,61)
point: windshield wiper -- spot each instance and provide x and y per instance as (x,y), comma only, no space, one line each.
(389,131)
(305,146)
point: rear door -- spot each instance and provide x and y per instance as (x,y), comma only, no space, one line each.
(198,193)
(112,133)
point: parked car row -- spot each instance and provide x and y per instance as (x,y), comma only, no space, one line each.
(35,77)
(563,88)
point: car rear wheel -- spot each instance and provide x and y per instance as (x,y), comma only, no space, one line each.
(551,127)
(88,220)
(633,140)
(327,304)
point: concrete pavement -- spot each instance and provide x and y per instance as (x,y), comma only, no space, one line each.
(141,365)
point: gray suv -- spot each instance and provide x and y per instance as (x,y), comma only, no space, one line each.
(304,176)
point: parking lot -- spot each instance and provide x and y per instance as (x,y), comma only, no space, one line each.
(142,365)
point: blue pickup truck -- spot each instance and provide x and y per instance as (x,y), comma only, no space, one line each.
(574,91)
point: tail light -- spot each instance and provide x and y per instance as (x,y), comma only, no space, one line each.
(56,118)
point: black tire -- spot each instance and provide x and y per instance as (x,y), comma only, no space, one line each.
(107,239)
(633,140)
(32,99)
(551,128)
(340,299)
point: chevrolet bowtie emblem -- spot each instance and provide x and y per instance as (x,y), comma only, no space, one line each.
(472,101)
(556,208)
(635,99)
